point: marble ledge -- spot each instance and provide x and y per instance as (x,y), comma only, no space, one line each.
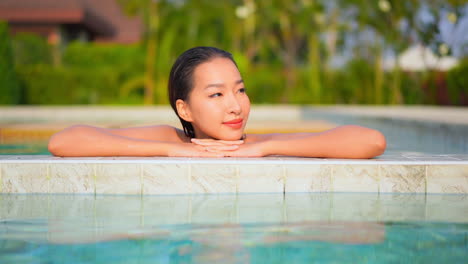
(185,178)
(387,160)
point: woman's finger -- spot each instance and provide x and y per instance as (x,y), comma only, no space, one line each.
(217,142)
(211,142)
(196,153)
(222,148)
(209,154)
(217,148)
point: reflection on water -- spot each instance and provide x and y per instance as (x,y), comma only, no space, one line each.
(271,228)
(305,242)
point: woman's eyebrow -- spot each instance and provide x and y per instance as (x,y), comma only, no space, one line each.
(220,85)
(215,85)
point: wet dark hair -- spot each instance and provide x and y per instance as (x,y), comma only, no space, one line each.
(181,77)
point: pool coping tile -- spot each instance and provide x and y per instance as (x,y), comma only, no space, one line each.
(402,179)
(316,179)
(357,178)
(234,175)
(214,178)
(72,178)
(118,178)
(22,178)
(447,179)
(165,178)
(265,178)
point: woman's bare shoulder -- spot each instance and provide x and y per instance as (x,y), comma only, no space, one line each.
(165,133)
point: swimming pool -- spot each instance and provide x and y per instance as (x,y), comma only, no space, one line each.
(390,224)
(404,134)
(409,129)
(248,228)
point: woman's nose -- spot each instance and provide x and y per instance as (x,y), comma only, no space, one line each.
(233,105)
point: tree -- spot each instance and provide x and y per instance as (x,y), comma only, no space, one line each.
(149,10)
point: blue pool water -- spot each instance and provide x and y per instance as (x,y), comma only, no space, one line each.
(269,228)
(24,149)
(404,135)
(304,243)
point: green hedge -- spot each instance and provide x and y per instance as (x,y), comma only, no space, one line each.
(9,86)
(90,74)
(29,49)
(457,81)
(94,55)
(45,84)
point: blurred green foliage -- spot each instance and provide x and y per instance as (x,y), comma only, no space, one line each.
(457,80)
(9,85)
(31,50)
(46,84)
(285,51)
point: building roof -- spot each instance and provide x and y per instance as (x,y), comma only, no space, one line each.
(128,29)
(105,18)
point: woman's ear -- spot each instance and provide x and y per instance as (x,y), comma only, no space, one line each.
(183,111)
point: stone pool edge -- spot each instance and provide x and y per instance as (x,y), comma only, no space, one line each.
(161,175)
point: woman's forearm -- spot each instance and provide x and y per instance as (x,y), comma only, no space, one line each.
(349,141)
(82,141)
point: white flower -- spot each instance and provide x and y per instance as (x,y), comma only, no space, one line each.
(443,49)
(245,11)
(452,17)
(384,5)
(242,12)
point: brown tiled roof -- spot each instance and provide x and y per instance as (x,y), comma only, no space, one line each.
(67,11)
(128,29)
(48,4)
(104,17)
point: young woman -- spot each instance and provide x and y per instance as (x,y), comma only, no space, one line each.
(208,95)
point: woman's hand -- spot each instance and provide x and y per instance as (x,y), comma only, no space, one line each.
(218,148)
(213,145)
(256,149)
(192,150)
(204,148)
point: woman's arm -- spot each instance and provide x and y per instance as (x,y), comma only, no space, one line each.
(81,140)
(350,142)
(89,141)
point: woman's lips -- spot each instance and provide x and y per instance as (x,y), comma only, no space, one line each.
(235,123)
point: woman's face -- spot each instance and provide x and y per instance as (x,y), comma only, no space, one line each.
(218,106)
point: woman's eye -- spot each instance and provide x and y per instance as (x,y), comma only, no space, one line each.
(215,95)
(242,90)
